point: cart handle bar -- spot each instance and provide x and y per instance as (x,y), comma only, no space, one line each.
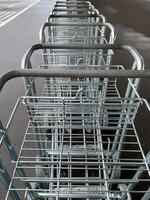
(72,5)
(74,15)
(138,58)
(73,74)
(48,24)
(78,24)
(95,15)
(73,2)
(73,10)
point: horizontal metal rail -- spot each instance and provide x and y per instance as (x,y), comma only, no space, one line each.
(73,2)
(78,24)
(72,10)
(138,58)
(77,16)
(72,74)
(27,163)
(72,6)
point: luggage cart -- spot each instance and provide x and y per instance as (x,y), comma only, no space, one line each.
(80,33)
(90,14)
(82,56)
(89,32)
(70,88)
(72,9)
(76,18)
(73,3)
(86,54)
(77,164)
(69,10)
(75,7)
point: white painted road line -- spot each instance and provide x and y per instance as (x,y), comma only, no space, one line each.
(18,13)
(2,13)
(6,16)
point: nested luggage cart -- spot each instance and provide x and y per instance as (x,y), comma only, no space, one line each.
(80,31)
(81,56)
(80,140)
(79,4)
(64,3)
(73,32)
(75,11)
(93,88)
(77,33)
(71,162)
(74,8)
(76,18)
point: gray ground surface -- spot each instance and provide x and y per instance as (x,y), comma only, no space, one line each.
(11,8)
(15,38)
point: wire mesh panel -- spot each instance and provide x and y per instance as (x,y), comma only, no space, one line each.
(75,56)
(81,155)
(91,33)
(76,18)
(71,9)
(75,11)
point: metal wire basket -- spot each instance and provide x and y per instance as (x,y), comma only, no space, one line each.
(79,56)
(75,12)
(72,32)
(68,151)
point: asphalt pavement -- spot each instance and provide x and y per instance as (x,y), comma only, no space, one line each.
(131,22)
(15,38)
(19,31)
(11,9)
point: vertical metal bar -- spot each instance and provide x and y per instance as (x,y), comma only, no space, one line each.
(7,144)
(6,179)
(146,195)
(100,147)
(137,176)
(32,92)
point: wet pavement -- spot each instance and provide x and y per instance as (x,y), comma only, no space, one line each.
(131,22)
(15,38)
